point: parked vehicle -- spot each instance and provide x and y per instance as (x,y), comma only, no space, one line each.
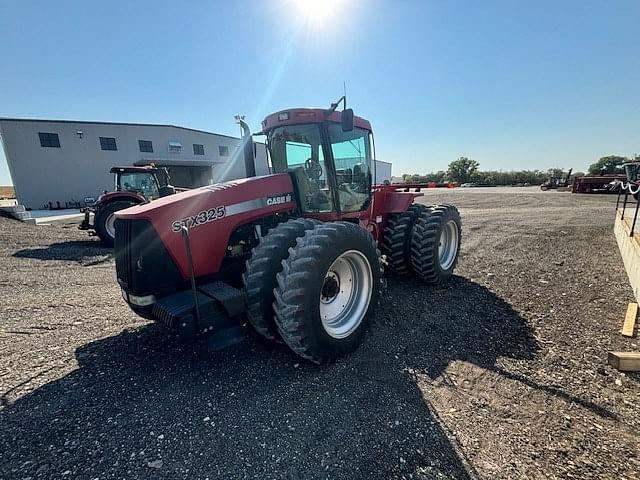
(598,183)
(555,183)
(298,251)
(132,186)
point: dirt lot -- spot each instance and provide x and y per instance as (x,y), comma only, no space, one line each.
(500,374)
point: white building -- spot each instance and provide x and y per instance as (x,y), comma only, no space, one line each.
(383,171)
(60,163)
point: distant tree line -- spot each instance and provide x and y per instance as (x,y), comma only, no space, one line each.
(466,170)
(609,164)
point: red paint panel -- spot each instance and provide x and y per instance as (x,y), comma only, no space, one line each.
(398,202)
(209,240)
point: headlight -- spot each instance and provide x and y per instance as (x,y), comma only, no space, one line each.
(140,301)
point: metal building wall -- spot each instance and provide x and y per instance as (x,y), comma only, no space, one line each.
(79,168)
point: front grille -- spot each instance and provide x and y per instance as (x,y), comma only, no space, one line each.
(143,264)
(122,250)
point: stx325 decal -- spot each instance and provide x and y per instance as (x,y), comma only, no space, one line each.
(200,218)
(213,214)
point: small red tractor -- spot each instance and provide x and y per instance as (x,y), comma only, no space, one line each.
(133,186)
(299,252)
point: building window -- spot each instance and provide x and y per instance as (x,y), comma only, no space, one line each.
(108,143)
(146,146)
(175,147)
(223,150)
(198,149)
(49,140)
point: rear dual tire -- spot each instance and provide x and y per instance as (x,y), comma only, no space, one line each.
(435,243)
(396,242)
(424,240)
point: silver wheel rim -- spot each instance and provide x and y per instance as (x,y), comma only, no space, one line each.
(448,246)
(110,225)
(345,294)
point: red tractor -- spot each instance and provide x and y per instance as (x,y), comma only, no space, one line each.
(300,252)
(133,186)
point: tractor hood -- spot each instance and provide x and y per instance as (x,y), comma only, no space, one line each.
(210,214)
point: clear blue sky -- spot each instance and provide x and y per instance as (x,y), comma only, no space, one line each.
(512,84)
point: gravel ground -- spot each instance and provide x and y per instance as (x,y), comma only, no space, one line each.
(500,374)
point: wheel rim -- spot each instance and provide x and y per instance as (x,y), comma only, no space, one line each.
(110,225)
(448,246)
(345,294)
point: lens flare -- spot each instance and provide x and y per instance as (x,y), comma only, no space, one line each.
(318,12)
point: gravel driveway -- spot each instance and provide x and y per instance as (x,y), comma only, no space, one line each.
(499,374)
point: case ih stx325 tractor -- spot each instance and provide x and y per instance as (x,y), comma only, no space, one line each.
(133,185)
(298,251)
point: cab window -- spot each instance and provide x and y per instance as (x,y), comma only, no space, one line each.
(297,149)
(142,183)
(352,157)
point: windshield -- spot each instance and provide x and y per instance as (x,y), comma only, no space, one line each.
(298,149)
(142,183)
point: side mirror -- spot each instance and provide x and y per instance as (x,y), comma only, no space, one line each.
(347,120)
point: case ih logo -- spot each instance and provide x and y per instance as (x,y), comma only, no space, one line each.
(200,218)
(279,199)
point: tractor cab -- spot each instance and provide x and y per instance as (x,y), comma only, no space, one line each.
(329,154)
(149,181)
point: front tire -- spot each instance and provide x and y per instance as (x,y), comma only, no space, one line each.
(105,221)
(435,243)
(327,291)
(259,278)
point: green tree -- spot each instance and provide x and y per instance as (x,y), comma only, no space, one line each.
(556,173)
(429,177)
(609,164)
(461,170)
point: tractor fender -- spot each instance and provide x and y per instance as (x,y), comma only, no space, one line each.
(119,196)
(398,202)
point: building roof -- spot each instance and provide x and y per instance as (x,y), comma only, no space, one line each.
(115,123)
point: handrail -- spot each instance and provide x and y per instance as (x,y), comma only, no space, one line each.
(628,189)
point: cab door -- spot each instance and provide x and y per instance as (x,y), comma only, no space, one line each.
(352,159)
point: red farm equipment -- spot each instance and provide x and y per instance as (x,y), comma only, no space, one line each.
(611,183)
(133,186)
(299,252)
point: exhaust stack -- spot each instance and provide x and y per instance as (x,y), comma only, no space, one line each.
(247,147)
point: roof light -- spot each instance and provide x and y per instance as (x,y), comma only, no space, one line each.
(283,116)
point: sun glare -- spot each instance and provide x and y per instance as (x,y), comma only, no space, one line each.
(318,12)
